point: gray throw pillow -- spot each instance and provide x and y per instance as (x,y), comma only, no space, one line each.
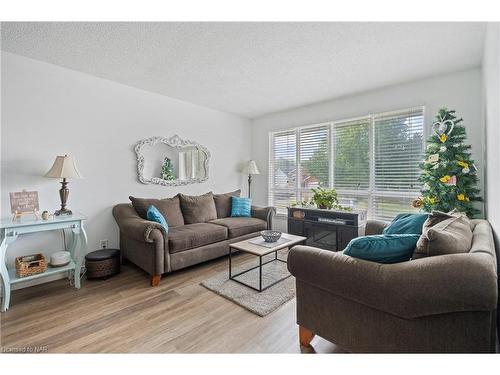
(223,203)
(444,233)
(170,208)
(198,208)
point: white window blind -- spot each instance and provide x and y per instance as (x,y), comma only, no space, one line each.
(372,162)
(351,154)
(398,149)
(282,169)
(314,157)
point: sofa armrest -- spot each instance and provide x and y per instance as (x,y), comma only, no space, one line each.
(422,287)
(133,226)
(264,213)
(375,227)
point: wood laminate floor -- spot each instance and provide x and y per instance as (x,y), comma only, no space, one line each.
(124,314)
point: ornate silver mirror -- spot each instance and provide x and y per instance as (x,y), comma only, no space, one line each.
(171,161)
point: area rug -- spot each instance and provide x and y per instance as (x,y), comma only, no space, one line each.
(262,303)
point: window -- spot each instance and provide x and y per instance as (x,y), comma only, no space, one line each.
(372,161)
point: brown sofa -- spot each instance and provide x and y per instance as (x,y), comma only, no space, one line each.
(200,229)
(437,304)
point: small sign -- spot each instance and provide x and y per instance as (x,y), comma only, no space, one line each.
(24,202)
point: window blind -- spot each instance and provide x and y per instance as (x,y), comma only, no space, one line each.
(351,147)
(398,150)
(314,157)
(372,162)
(282,169)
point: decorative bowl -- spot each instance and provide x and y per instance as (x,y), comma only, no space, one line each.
(270,235)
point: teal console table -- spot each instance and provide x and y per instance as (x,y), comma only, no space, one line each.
(11,230)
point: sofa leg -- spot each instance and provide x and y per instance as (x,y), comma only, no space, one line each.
(155,280)
(305,337)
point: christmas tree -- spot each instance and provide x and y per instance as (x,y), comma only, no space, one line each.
(449,176)
(167,170)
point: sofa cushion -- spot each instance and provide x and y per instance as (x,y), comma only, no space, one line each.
(239,226)
(383,248)
(450,236)
(195,235)
(169,207)
(154,215)
(241,207)
(223,203)
(406,224)
(198,208)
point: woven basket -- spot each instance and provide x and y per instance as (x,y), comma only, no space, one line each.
(30,265)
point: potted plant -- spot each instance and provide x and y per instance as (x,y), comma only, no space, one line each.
(325,198)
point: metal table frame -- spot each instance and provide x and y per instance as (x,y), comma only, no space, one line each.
(260,289)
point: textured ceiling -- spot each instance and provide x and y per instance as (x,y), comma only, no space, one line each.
(251,69)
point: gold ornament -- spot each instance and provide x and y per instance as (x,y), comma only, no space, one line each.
(461,197)
(417,203)
(445,179)
(443,138)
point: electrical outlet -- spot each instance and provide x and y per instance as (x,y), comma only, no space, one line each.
(104,244)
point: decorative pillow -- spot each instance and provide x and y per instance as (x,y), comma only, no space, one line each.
(406,224)
(169,208)
(241,207)
(389,248)
(449,236)
(223,203)
(198,208)
(154,215)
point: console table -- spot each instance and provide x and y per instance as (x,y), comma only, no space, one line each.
(10,231)
(326,229)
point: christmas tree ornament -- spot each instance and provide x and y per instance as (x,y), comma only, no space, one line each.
(450,183)
(443,126)
(434,158)
(445,179)
(417,203)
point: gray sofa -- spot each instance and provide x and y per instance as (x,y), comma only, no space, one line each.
(200,229)
(436,304)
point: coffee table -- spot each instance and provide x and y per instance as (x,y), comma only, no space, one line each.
(247,246)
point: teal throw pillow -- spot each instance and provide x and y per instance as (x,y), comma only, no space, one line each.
(392,248)
(407,224)
(241,207)
(154,215)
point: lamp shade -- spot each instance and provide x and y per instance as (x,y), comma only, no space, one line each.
(64,167)
(252,167)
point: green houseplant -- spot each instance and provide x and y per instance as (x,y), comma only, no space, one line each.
(325,198)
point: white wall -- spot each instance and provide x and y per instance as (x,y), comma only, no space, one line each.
(491,82)
(48,110)
(461,91)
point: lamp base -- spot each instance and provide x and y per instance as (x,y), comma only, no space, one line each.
(63,212)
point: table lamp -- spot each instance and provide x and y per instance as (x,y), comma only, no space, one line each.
(251,169)
(64,167)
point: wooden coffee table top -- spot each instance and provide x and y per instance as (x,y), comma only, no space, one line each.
(254,249)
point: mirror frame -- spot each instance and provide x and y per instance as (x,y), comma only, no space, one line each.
(174,141)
